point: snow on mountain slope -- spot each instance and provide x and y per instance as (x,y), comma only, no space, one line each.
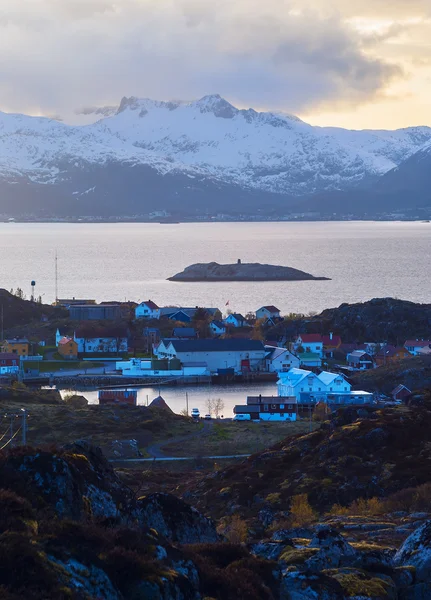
(208,138)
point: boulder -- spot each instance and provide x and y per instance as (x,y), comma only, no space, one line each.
(356,584)
(416,552)
(76,401)
(306,586)
(174,519)
(333,550)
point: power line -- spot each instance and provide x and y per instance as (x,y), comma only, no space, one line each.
(14,435)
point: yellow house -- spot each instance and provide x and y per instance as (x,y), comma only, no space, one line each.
(68,348)
(16,346)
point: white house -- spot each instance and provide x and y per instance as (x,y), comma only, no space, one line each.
(280,359)
(268,312)
(217,327)
(311,343)
(235,320)
(147,310)
(332,388)
(240,355)
(101,340)
(417,347)
(136,367)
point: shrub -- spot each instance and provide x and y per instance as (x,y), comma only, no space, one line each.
(368,507)
(301,513)
(338,511)
(273,498)
(234,529)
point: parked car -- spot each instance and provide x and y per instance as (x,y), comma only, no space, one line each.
(242,418)
(208,417)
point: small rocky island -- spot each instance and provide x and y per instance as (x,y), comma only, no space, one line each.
(242,272)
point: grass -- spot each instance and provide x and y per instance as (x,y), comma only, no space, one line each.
(225,438)
(49,366)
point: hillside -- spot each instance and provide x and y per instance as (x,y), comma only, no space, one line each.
(19,313)
(202,154)
(375,455)
(380,319)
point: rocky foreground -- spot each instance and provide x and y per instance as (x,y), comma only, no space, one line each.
(70,528)
(241,272)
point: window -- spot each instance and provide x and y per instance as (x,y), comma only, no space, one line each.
(290,407)
(265,407)
(281,414)
(290,414)
(281,406)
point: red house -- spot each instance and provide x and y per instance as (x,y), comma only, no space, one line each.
(9,363)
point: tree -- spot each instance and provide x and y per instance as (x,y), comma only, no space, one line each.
(218,407)
(321,412)
(210,405)
(257,333)
(301,513)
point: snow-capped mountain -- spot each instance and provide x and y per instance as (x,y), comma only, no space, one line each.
(158,153)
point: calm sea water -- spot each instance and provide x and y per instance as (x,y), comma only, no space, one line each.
(197,395)
(133,260)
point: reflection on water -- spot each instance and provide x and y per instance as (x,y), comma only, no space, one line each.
(176,397)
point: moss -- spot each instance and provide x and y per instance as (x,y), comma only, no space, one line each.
(368,547)
(359,583)
(273,498)
(297,556)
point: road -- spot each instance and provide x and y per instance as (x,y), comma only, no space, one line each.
(155,450)
(171,458)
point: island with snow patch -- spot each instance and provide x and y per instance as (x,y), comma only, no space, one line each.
(242,272)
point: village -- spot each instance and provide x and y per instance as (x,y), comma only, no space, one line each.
(128,344)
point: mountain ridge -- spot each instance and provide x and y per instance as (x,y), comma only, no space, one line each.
(178,146)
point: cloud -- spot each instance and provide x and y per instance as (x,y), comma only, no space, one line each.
(56,55)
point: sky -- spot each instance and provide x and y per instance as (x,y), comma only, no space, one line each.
(348,63)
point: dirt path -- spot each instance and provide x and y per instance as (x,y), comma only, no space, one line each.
(155,450)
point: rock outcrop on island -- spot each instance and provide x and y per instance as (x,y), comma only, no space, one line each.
(241,272)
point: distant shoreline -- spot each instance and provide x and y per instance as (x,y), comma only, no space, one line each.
(104,221)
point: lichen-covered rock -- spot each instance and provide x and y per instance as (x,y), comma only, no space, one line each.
(306,586)
(268,550)
(357,584)
(87,580)
(333,550)
(416,552)
(174,519)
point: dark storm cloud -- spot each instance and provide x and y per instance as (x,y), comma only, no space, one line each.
(56,55)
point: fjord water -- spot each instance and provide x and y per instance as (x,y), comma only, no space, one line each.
(132,261)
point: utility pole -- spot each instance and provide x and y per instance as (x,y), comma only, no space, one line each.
(24,426)
(2,324)
(187,403)
(56,278)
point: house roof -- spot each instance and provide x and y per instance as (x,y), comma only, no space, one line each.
(294,376)
(217,345)
(418,343)
(151,305)
(359,354)
(271,400)
(309,356)
(334,342)
(237,316)
(327,378)
(184,332)
(399,388)
(17,341)
(8,356)
(275,353)
(218,324)
(91,331)
(65,340)
(271,309)
(310,338)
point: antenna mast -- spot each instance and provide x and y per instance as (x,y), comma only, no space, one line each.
(56,278)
